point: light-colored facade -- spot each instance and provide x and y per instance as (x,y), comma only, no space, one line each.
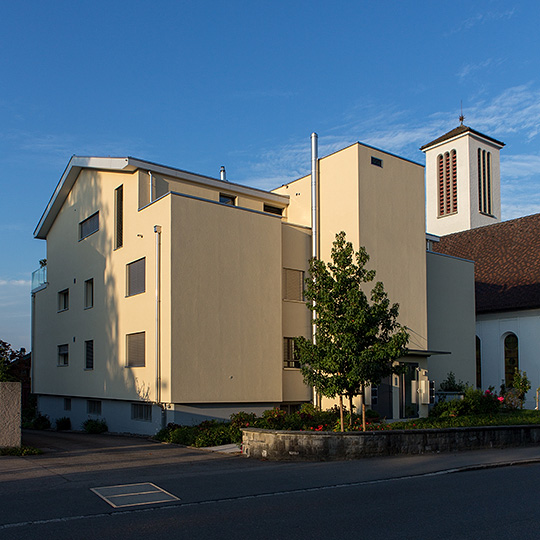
(462,181)
(172,297)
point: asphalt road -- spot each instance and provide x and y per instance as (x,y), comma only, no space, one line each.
(229,496)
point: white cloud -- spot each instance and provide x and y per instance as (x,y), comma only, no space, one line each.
(15,282)
(481,18)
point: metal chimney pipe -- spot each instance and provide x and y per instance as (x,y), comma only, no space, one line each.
(314,228)
(314,196)
(222,174)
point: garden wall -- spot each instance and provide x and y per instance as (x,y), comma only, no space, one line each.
(10,414)
(323,446)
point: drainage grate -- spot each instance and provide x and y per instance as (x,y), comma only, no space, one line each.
(133,494)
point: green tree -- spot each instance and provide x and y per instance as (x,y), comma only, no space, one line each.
(7,356)
(357,339)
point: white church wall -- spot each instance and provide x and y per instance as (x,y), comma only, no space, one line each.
(492,329)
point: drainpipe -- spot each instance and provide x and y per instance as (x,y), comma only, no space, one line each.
(157,230)
(314,226)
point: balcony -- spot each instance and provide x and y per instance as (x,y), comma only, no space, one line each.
(39,279)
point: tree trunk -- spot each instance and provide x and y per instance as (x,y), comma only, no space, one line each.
(341,412)
(350,412)
(363,408)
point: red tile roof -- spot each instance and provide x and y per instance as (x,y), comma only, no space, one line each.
(506,260)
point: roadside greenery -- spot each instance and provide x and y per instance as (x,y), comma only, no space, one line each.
(476,409)
(357,336)
(20,451)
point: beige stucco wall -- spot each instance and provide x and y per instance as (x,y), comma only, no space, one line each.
(451,318)
(226,303)
(10,414)
(296,319)
(381,209)
(70,263)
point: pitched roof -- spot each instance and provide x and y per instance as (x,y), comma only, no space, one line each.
(506,262)
(460,130)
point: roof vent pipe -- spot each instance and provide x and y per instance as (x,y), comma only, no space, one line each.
(222,174)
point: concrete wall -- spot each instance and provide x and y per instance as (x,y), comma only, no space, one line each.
(325,446)
(492,329)
(451,318)
(10,414)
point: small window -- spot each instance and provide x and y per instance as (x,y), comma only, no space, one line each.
(93,406)
(136,277)
(141,411)
(67,404)
(118,217)
(88,294)
(227,199)
(135,350)
(293,284)
(63,354)
(374,395)
(89,354)
(273,210)
(63,300)
(89,226)
(289,360)
(376,161)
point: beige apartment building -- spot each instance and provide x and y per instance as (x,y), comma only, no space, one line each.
(173,297)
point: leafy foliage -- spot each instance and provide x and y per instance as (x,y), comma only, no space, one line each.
(95,426)
(358,339)
(63,423)
(451,385)
(7,356)
(521,385)
(19,451)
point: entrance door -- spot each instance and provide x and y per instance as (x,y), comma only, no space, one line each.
(408,403)
(381,398)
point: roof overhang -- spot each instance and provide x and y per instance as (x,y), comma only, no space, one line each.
(129,164)
(425,352)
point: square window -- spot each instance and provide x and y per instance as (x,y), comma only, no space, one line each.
(141,411)
(89,226)
(63,300)
(227,199)
(93,406)
(376,161)
(136,277)
(293,284)
(88,294)
(63,354)
(135,345)
(89,354)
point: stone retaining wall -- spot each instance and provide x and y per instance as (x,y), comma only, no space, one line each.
(323,446)
(10,414)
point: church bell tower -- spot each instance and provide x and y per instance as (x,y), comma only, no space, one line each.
(463,181)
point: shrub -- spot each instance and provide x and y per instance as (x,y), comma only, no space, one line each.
(213,436)
(521,385)
(63,423)
(20,451)
(272,419)
(95,426)
(474,402)
(41,421)
(451,385)
(239,420)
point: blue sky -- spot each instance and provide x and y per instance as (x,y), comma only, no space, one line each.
(197,85)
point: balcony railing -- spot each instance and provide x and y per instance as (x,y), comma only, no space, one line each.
(39,279)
